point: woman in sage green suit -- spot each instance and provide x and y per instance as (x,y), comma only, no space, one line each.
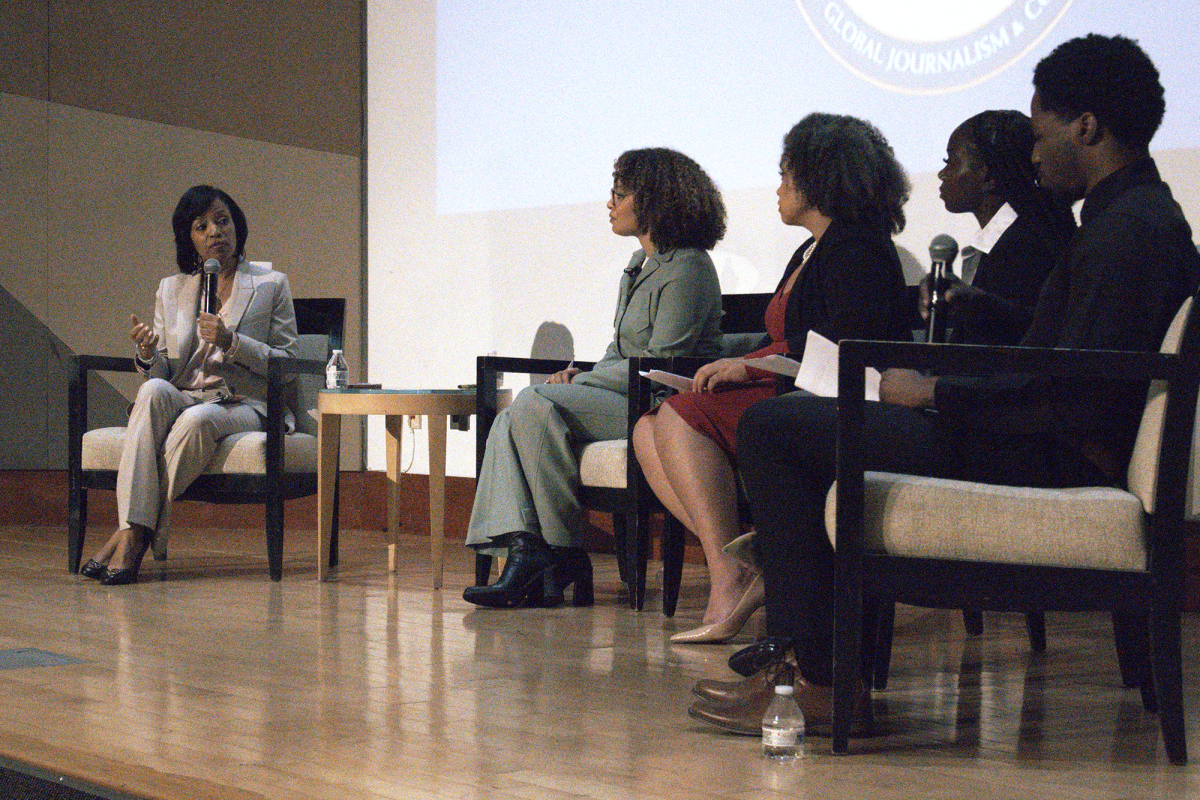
(669,304)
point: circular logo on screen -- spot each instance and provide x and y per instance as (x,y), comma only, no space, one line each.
(929,46)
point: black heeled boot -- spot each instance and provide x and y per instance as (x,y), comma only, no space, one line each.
(574,567)
(529,576)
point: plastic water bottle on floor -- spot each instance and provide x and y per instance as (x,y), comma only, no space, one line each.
(337,374)
(783,727)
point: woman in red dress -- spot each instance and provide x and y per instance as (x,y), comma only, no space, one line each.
(840,180)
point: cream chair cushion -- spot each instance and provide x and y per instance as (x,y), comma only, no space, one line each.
(1091,527)
(908,515)
(602,464)
(239,454)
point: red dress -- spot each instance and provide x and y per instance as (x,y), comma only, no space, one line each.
(716,414)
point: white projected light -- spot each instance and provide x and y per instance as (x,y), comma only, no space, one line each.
(493,125)
(927,20)
(930,46)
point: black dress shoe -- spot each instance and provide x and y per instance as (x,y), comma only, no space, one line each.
(93,569)
(120,577)
(749,660)
(529,577)
(123,577)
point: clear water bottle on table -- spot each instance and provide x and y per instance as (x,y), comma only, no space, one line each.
(337,374)
(783,727)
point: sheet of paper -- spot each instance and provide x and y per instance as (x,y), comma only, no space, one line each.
(818,372)
(677,382)
(777,363)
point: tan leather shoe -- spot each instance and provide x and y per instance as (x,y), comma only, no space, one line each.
(816,703)
(763,682)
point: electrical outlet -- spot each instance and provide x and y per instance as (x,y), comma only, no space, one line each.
(414,421)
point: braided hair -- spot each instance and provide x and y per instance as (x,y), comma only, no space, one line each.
(1003,141)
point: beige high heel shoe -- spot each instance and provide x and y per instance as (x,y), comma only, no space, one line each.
(732,625)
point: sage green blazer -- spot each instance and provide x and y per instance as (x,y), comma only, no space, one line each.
(671,307)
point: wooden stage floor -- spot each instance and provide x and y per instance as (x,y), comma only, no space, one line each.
(209,681)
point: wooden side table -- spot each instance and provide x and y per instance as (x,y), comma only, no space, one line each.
(394,404)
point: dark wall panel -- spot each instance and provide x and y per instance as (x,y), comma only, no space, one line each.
(275,71)
(23,48)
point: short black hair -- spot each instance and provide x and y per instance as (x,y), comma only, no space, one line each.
(1109,76)
(1003,142)
(845,167)
(674,199)
(196,201)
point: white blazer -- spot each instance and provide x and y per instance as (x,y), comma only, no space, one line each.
(260,316)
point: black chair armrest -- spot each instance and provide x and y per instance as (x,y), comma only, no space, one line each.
(528,366)
(77,398)
(279,370)
(680,365)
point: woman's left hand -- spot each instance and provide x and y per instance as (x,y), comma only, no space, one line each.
(213,331)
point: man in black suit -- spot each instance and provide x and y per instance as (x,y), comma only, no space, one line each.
(1097,103)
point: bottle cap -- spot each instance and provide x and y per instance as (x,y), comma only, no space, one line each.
(785,689)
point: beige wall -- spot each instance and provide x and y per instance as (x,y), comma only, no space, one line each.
(111,110)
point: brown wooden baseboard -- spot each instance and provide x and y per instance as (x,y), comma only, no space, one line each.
(39,497)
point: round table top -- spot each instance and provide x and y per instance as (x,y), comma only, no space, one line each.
(400,401)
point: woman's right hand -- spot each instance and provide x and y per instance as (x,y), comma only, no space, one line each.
(144,337)
(719,373)
(563,376)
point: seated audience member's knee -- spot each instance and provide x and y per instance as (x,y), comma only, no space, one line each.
(154,390)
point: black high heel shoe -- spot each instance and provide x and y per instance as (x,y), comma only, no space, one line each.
(529,576)
(93,569)
(123,577)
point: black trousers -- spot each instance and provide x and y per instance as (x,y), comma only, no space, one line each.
(787,457)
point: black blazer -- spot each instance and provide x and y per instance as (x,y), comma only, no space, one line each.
(1011,274)
(851,288)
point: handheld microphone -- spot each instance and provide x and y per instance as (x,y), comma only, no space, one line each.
(211,268)
(942,252)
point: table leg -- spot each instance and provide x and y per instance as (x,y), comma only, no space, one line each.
(437,493)
(329,437)
(394,425)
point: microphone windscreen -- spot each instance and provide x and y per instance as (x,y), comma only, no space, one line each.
(212,266)
(943,248)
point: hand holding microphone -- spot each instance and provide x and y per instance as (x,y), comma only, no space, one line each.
(211,327)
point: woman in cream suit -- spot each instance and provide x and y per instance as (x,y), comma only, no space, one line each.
(669,304)
(206,374)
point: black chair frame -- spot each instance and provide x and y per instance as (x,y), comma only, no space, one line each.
(272,488)
(1137,599)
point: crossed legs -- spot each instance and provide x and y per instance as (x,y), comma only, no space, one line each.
(169,441)
(694,479)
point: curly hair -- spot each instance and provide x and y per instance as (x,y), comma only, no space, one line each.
(1109,76)
(845,167)
(196,201)
(1003,142)
(674,199)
